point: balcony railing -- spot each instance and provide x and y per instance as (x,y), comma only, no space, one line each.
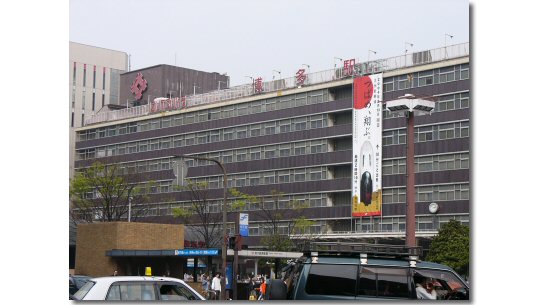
(373,66)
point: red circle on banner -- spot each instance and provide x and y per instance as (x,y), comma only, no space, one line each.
(363,91)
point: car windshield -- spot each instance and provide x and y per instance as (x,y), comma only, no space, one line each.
(81,280)
(81,293)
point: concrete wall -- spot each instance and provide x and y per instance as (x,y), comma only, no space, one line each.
(93,240)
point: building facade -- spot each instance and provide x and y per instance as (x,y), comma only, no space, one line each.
(167,81)
(94,75)
(294,136)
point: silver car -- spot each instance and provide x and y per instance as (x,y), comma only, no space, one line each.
(136,288)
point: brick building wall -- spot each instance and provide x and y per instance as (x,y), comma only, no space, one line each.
(93,240)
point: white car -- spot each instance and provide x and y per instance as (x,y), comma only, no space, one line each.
(136,288)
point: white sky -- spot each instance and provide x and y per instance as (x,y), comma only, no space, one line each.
(253,38)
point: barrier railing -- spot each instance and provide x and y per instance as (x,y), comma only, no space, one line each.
(361,68)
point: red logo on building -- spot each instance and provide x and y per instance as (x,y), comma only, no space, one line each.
(139,85)
(349,66)
(300,77)
(258,85)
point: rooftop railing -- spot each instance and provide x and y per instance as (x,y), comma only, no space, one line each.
(364,68)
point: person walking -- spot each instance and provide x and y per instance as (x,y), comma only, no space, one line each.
(205,283)
(263,286)
(215,285)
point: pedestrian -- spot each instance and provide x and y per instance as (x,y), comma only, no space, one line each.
(215,285)
(251,290)
(205,283)
(263,286)
(115,273)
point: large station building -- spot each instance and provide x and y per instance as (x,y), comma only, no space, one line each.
(294,136)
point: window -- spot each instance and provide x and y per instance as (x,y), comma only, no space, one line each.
(300,175)
(94,72)
(300,149)
(93,101)
(285,126)
(73,98)
(300,124)
(166,122)
(464,71)
(126,291)
(228,134)
(446,131)
(215,136)
(285,150)
(104,77)
(447,74)
(269,178)
(270,128)
(444,281)
(178,141)
(270,152)
(74,73)
(165,143)
(242,109)
(332,280)
(255,130)
(201,138)
(175,292)
(84,77)
(464,100)
(388,84)
(72,119)
(189,139)
(423,134)
(227,157)
(143,146)
(383,282)
(241,155)
(123,129)
(316,122)
(284,176)
(446,103)
(256,107)
(241,133)
(255,154)
(425,78)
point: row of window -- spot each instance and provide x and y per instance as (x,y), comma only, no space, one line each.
(445,192)
(84,73)
(428,133)
(428,163)
(283,102)
(204,137)
(426,78)
(391,137)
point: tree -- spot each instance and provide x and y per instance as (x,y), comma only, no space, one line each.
(451,247)
(199,217)
(102,193)
(274,215)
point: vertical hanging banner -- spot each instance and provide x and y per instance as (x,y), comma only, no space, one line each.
(243,224)
(367,134)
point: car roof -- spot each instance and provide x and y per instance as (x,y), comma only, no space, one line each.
(112,279)
(377,261)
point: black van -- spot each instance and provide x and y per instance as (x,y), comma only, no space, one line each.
(365,272)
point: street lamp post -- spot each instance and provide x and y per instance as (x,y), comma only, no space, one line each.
(409,105)
(224,220)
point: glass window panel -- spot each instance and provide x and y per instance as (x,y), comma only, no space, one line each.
(332,280)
